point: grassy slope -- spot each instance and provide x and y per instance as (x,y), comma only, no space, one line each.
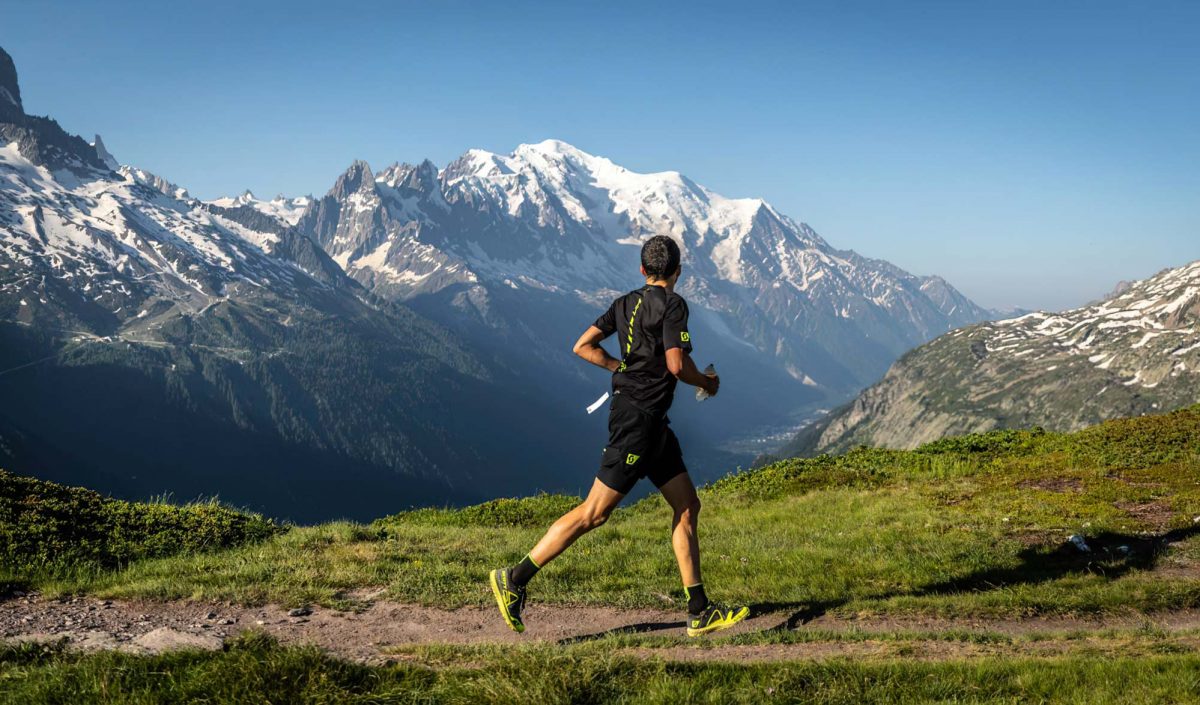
(968,526)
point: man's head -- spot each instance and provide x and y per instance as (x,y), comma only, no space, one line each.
(660,259)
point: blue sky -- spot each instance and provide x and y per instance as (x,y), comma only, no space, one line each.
(1032,153)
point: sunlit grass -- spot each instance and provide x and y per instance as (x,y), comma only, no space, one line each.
(971,526)
(256,669)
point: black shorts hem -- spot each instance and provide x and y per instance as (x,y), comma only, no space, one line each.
(660,479)
(616,484)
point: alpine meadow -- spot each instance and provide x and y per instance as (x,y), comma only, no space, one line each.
(599,353)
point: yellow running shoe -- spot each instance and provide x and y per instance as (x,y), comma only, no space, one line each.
(509,598)
(715,618)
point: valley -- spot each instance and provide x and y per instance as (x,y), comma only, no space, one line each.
(403,340)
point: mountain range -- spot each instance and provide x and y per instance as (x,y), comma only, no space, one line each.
(404,338)
(1135,352)
(553,219)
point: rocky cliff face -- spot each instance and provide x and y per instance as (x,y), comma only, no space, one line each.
(1135,352)
(39,139)
(10,89)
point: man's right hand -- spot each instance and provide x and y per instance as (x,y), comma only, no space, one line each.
(713,384)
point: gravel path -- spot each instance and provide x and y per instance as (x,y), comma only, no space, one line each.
(151,627)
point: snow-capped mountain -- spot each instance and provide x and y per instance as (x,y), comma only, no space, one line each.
(552,218)
(1135,352)
(144,177)
(103,247)
(287,210)
(151,343)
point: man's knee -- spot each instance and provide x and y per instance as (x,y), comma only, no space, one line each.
(591,517)
(690,511)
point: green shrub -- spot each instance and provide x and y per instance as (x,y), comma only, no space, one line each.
(1141,441)
(45,526)
(804,475)
(537,510)
(1004,442)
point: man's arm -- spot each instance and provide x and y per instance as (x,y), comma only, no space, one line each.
(679,362)
(588,347)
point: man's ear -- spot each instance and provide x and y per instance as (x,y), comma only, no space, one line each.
(643,271)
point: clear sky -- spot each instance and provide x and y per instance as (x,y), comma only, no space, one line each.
(1032,153)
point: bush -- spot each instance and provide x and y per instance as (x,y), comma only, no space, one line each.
(1141,441)
(855,469)
(1005,442)
(540,509)
(47,526)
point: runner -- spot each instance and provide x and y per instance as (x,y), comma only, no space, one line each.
(651,323)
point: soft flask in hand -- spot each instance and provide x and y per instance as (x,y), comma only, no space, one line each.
(701,395)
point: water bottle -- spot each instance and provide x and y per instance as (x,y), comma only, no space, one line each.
(701,395)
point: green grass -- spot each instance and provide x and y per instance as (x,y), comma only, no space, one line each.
(970,526)
(256,669)
(965,527)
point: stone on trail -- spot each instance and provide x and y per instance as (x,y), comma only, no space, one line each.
(168,639)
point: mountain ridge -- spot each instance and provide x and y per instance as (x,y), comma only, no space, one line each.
(1134,352)
(380,329)
(553,217)
(151,343)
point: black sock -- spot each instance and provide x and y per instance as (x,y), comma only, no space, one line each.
(697,600)
(524,571)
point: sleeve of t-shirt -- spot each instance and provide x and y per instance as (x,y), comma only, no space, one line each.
(675,325)
(607,322)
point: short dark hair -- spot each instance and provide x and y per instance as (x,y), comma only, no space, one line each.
(660,257)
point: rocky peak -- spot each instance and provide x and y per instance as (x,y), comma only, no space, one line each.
(424,177)
(153,181)
(105,156)
(420,179)
(40,139)
(356,178)
(10,90)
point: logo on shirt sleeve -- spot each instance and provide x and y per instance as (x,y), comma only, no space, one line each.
(683,336)
(631,459)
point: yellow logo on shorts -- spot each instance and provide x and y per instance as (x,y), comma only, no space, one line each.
(631,459)
(683,335)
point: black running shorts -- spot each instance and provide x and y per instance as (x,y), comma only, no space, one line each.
(639,445)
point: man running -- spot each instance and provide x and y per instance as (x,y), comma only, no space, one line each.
(651,324)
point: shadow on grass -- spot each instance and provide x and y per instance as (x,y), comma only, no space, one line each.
(1112,555)
(12,588)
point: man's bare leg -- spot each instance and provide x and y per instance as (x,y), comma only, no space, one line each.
(704,616)
(680,493)
(591,513)
(508,584)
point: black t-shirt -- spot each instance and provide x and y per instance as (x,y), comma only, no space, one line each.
(648,322)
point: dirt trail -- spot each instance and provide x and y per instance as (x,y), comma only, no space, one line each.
(368,636)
